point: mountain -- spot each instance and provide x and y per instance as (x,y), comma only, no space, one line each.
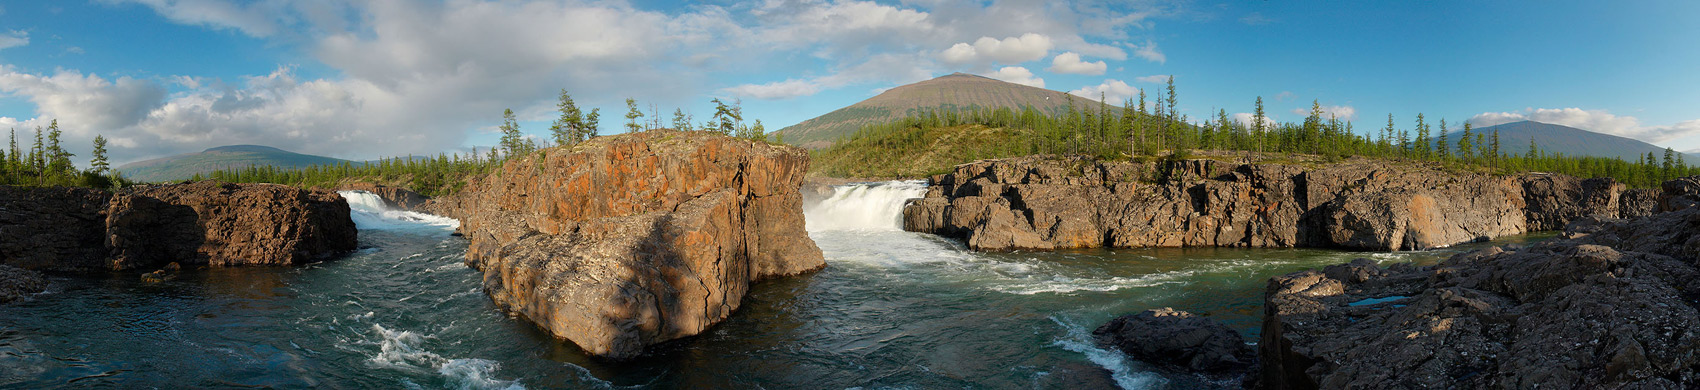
(185,166)
(956,91)
(1514,138)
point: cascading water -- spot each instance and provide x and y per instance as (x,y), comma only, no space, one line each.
(893,309)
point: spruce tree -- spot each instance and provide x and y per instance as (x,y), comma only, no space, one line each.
(98,164)
(1442,147)
(1423,143)
(569,128)
(1257,123)
(632,115)
(592,123)
(1495,144)
(513,142)
(680,122)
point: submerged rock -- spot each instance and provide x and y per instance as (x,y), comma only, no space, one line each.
(627,241)
(1044,203)
(1559,314)
(1177,338)
(16,283)
(201,223)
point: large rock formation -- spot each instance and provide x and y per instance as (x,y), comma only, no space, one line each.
(202,223)
(16,283)
(1615,308)
(1177,338)
(1039,203)
(631,240)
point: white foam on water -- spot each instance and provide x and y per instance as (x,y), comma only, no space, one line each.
(863,207)
(405,350)
(1122,369)
(371,213)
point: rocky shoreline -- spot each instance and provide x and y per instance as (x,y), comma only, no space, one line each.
(626,241)
(1039,203)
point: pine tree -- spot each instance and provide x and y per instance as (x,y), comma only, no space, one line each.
(1144,116)
(723,120)
(592,126)
(1423,143)
(757,131)
(1534,152)
(632,115)
(1669,165)
(98,164)
(1495,144)
(513,142)
(680,122)
(14,161)
(1387,135)
(59,160)
(569,128)
(1257,123)
(38,163)
(1173,114)
(1441,145)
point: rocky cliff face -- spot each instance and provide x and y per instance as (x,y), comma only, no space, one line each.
(1612,309)
(1033,203)
(631,240)
(202,223)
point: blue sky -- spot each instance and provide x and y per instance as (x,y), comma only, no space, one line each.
(363,79)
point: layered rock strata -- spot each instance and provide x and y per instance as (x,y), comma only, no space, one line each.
(1037,203)
(202,223)
(631,240)
(1614,308)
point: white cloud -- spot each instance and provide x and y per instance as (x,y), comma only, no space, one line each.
(1599,121)
(15,38)
(1113,91)
(1344,113)
(1256,19)
(1012,50)
(1153,79)
(776,90)
(1070,62)
(255,19)
(1149,52)
(1018,75)
(1246,119)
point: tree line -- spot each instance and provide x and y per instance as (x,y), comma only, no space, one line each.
(446,173)
(47,163)
(1142,128)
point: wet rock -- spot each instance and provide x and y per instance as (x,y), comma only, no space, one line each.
(204,223)
(17,283)
(1562,314)
(1177,338)
(631,240)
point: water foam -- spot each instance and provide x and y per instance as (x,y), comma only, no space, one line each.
(405,350)
(1077,339)
(863,207)
(371,213)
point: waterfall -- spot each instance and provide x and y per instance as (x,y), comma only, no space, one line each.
(371,212)
(863,206)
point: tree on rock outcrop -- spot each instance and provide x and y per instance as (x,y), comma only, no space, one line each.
(680,121)
(98,164)
(513,142)
(569,128)
(632,115)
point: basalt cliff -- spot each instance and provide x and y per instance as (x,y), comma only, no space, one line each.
(626,241)
(206,223)
(1034,203)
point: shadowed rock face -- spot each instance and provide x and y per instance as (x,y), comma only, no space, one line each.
(1609,309)
(204,223)
(1177,338)
(631,240)
(1032,203)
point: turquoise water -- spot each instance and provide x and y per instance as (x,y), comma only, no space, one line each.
(892,310)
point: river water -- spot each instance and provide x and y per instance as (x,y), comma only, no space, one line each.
(892,310)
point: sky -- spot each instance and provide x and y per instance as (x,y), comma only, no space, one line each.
(360,79)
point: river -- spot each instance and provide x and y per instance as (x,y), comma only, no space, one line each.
(893,309)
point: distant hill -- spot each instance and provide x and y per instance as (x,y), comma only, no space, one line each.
(956,91)
(185,166)
(1514,138)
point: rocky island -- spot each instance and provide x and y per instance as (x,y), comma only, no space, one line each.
(627,241)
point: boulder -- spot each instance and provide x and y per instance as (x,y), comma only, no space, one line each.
(1177,338)
(201,223)
(626,241)
(17,283)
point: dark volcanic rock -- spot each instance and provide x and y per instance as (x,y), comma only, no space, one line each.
(626,241)
(1679,194)
(1638,202)
(202,223)
(1178,338)
(1563,314)
(16,283)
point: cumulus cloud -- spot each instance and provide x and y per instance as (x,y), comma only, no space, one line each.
(1113,91)
(1012,50)
(1247,119)
(1344,113)
(1069,62)
(1599,121)
(14,38)
(1018,75)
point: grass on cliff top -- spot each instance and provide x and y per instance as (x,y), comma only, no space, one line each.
(914,154)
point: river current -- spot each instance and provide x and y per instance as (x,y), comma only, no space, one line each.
(892,309)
